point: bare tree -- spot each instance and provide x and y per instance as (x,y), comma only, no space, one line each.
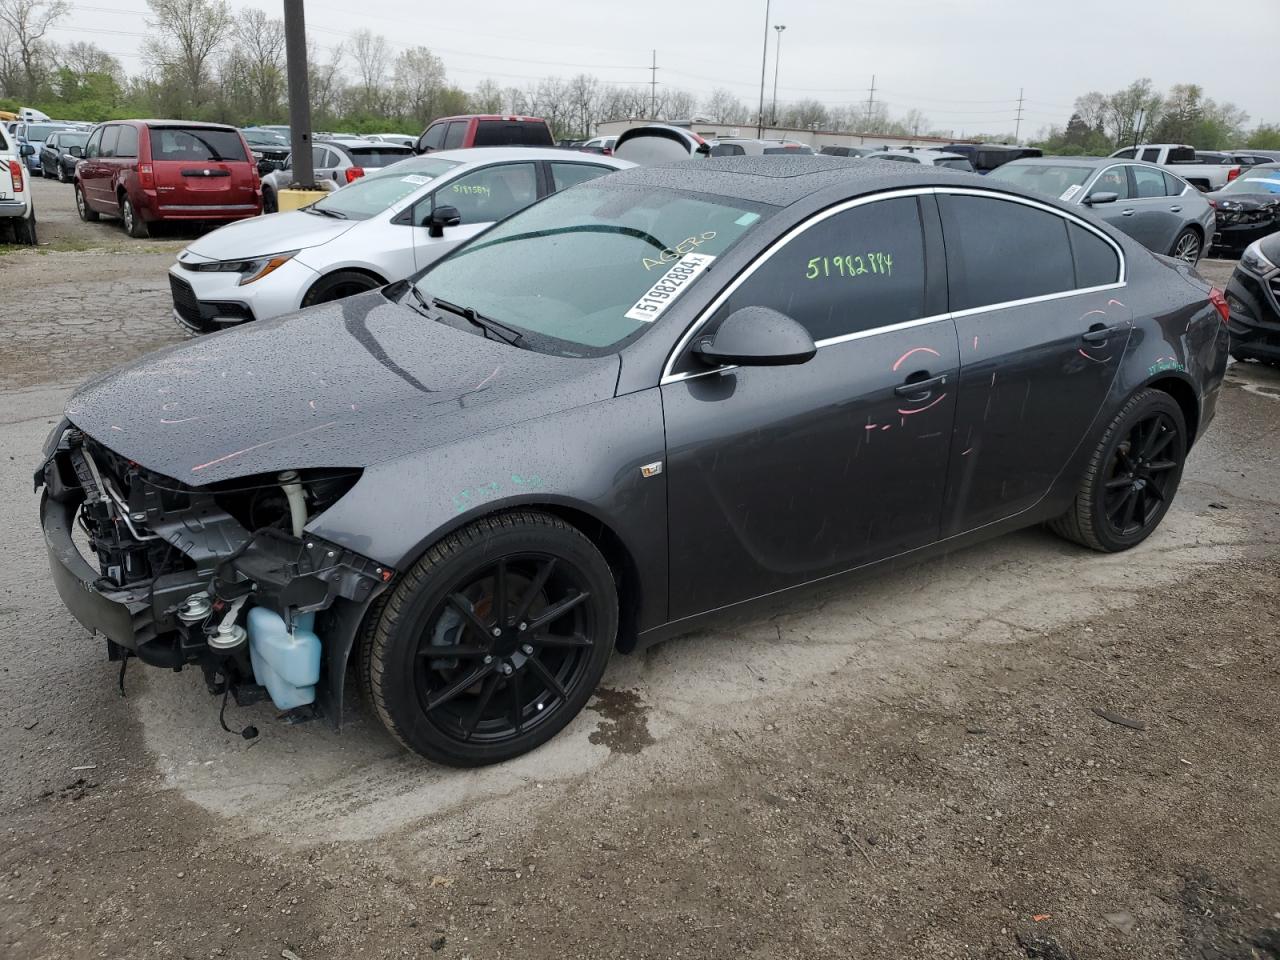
(325,83)
(189,33)
(371,54)
(25,23)
(583,105)
(85,59)
(419,81)
(260,44)
(487,97)
(725,107)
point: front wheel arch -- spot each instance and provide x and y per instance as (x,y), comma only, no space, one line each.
(307,300)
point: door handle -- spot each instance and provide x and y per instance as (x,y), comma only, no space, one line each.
(1176,208)
(1127,213)
(1100,334)
(919,382)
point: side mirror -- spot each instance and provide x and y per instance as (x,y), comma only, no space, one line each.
(757,337)
(76,151)
(1095,198)
(440,218)
(27,150)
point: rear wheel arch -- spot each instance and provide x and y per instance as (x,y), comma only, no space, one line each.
(1185,396)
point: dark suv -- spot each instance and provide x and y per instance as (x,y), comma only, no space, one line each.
(144,171)
(456,133)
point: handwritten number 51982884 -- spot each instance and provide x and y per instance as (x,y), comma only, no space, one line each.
(850,265)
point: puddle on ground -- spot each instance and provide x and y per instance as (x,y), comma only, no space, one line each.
(623,725)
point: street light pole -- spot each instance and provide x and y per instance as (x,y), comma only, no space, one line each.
(764,59)
(295,48)
(777,59)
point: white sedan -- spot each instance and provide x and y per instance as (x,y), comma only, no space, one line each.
(378,229)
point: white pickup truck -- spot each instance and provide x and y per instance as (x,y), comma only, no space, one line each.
(17,211)
(1181,159)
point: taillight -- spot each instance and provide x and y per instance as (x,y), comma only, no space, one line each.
(147,176)
(1220,304)
(1232,174)
(354,173)
(15,171)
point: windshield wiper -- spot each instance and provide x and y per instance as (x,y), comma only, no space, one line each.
(487,324)
(423,303)
(336,214)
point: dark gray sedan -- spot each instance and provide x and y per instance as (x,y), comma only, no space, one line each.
(628,409)
(1158,209)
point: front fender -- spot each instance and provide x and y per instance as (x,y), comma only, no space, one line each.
(585,460)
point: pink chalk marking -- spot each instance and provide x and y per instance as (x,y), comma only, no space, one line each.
(312,404)
(1114,303)
(182,420)
(117,429)
(871,426)
(258,446)
(1087,357)
(173,404)
(1101,313)
(965,453)
(887,426)
(975,343)
(993,379)
(902,359)
(481,384)
(937,400)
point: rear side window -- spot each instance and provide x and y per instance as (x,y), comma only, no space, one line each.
(195,144)
(110,137)
(1148,183)
(492,193)
(1181,155)
(127,145)
(564,175)
(999,251)
(855,271)
(1095,259)
(456,133)
(1151,155)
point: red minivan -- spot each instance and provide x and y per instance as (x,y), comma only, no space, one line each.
(144,171)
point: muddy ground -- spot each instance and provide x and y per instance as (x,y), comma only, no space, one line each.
(1020,750)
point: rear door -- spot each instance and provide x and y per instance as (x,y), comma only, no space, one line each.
(199,167)
(481,197)
(1159,216)
(1042,330)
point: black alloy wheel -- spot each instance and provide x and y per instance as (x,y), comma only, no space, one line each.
(1132,477)
(494,641)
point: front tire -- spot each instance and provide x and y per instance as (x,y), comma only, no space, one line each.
(1131,478)
(1187,247)
(339,286)
(87,213)
(493,641)
(134,225)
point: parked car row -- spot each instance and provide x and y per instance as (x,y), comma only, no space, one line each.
(17,211)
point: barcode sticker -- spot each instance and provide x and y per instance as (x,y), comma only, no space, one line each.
(663,293)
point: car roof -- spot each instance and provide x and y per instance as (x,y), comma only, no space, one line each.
(1082,162)
(489,116)
(931,154)
(786,179)
(499,154)
(201,124)
(353,142)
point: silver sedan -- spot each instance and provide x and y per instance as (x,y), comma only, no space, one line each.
(1157,208)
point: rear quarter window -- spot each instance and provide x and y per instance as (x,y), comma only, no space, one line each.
(1096,262)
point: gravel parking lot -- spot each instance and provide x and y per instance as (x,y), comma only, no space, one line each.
(918,765)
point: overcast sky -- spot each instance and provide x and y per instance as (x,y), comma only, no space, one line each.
(961,64)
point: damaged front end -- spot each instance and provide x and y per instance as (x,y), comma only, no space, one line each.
(222,576)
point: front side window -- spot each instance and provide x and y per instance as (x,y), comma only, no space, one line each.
(1112,180)
(1148,183)
(586,270)
(369,196)
(491,193)
(1000,251)
(94,147)
(855,271)
(434,137)
(565,175)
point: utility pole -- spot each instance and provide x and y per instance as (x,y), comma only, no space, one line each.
(764,59)
(653,87)
(1017,126)
(777,59)
(295,48)
(871,98)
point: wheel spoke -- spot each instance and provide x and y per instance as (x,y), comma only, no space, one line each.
(1130,508)
(482,702)
(464,607)
(556,611)
(517,704)
(1160,466)
(1166,438)
(1114,510)
(452,650)
(1119,483)
(458,686)
(535,588)
(500,593)
(552,680)
(551,640)
(1153,436)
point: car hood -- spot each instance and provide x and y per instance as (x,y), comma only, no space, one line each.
(346,384)
(1244,201)
(272,233)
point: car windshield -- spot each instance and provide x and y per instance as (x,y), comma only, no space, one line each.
(1255,181)
(195,144)
(589,268)
(66,140)
(956,163)
(1048,179)
(370,196)
(40,131)
(264,138)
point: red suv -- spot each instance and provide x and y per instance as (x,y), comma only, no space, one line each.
(458,133)
(144,171)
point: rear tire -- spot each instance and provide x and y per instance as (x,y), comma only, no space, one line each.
(484,698)
(24,231)
(134,225)
(1187,247)
(87,213)
(269,204)
(340,285)
(1132,477)
(62,174)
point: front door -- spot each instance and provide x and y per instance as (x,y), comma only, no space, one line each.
(777,476)
(481,198)
(1042,329)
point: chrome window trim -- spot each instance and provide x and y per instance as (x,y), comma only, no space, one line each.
(670,377)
